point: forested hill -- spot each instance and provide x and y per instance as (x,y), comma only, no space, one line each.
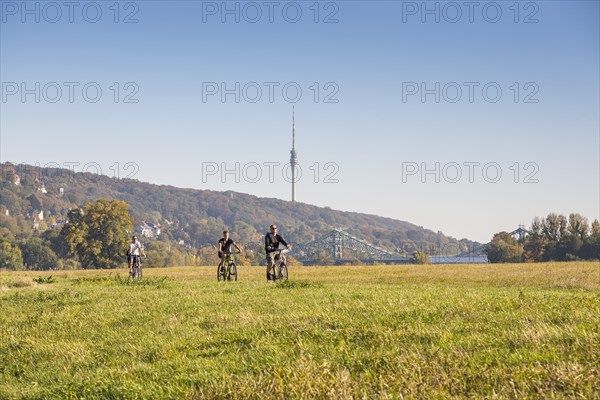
(195,216)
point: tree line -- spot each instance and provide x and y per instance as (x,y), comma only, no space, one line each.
(553,238)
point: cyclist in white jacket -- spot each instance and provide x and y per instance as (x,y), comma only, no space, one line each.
(135,251)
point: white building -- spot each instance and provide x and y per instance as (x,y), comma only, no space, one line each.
(149,230)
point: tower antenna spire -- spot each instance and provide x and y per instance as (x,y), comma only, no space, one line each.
(293,128)
(293,155)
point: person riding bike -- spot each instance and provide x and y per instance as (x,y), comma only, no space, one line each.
(272,241)
(225,244)
(135,251)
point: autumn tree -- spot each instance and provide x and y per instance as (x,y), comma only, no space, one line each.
(535,243)
(98,233)
(420,257)
(591,244)
(11,256)
(504,248)
(557,238)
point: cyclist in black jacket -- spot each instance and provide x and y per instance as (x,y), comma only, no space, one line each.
(225,244)
(272,241)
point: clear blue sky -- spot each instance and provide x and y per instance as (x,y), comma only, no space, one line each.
(376,60)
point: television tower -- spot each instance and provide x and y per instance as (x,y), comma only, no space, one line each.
(293,157)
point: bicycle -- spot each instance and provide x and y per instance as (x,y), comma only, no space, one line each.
(227,269)
(135,267)
(280,266)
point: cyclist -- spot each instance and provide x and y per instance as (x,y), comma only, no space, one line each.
(225,244)
(272,241)
(135,251)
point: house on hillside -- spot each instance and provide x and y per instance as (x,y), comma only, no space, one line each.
(60,222)
(37,216)
(149,230)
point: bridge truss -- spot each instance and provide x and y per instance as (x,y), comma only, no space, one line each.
(340,247)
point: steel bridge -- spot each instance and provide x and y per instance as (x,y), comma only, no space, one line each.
(340,247)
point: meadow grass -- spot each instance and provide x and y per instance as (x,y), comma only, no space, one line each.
(373,332)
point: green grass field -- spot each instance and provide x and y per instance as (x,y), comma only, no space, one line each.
(372,332)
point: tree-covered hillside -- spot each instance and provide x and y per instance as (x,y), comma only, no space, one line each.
(197,217)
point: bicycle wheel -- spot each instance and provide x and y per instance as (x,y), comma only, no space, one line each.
(232,272)
(221,273)
(137,269)
(283,272)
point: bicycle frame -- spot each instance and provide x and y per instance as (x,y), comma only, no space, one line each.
(280,256)
(135,267)
(279,261)
(227,261)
